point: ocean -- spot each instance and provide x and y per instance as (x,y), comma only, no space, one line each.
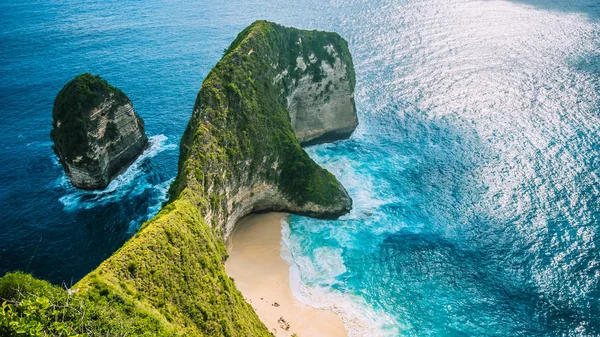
(474,170)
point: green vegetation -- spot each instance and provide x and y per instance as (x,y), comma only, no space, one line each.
(289,43)
(72,106)
(249,118)
(33,307)
(169,279)
(111,130)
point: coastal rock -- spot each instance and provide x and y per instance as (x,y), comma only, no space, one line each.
(96,133)
(238,155)
(265,88)
(320,90)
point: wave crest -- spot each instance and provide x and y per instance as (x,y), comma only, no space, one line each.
(132,182)
(358,317)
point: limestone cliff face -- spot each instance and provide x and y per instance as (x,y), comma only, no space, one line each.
(96,134)
(321,101)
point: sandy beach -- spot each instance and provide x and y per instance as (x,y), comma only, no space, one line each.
(263,277)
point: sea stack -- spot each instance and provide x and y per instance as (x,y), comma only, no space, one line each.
(96,132)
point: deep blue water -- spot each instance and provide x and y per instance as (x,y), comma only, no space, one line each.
(474,171)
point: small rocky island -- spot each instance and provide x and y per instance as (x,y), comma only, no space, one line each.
(96,132)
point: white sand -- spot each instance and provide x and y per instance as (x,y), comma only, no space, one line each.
(263,277)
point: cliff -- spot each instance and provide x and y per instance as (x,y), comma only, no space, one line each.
(96,133)
(239,154)
(319,86)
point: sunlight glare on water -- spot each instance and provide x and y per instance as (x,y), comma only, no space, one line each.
(474,177)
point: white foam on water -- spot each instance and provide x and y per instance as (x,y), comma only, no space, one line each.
(366,192)
(160,195)
(370,194)
(162,189)
(358,317)
(40,144)
(121,186)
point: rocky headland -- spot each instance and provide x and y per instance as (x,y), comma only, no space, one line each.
(319,89)
(96,132)
(240,153)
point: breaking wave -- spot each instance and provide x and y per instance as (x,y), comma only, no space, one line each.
(132,182)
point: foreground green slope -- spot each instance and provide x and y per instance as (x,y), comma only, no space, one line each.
(239,154)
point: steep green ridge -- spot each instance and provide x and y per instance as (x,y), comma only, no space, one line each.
(238,155)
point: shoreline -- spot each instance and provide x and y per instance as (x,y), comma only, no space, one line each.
(263,278)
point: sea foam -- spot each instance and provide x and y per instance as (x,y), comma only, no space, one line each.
(128,184)
(358,317)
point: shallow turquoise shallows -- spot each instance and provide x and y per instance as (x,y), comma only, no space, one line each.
(474,171)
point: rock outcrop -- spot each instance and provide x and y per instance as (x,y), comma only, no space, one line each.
(239,154)
(96,133)
(261,97)
(320,96)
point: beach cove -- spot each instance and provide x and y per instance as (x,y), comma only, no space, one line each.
(263,276)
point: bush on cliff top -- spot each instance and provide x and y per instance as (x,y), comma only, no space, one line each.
(32,307)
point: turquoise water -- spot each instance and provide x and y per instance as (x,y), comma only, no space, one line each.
(474,171)
(474,174)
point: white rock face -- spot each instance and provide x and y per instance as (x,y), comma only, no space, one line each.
(115,138)
(254,194)
(324,110)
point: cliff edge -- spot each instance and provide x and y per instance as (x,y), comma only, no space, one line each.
(239,154)
(319,86)
(96,132)
(240,147)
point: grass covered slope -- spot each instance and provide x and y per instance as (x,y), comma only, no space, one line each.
(239,154)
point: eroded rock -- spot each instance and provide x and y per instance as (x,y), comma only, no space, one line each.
(96,133)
